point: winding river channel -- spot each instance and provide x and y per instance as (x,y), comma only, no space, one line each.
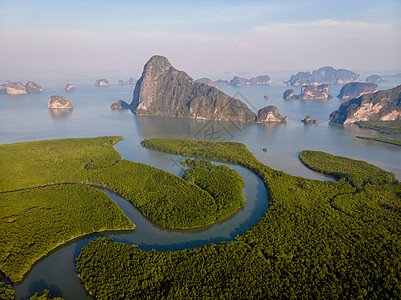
(56,271)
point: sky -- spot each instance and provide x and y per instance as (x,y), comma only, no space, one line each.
(204,38)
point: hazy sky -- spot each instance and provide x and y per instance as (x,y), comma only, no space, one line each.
(200,37)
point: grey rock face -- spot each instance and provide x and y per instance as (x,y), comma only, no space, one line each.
(162,90)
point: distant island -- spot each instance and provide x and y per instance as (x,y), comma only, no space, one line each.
(356,89)
(380,106)
(309,92)
(126,82)
(163,90)
(17,88)
(69,87)
(237,81)
(102,82)
(374,79)
(262,79)
(325,75)
(207,81)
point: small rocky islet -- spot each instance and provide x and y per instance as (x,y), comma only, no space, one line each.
(59,102)
(102,82)
(309,121)
(69,87)
(270,114)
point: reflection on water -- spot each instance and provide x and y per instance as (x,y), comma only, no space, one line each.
(60,113)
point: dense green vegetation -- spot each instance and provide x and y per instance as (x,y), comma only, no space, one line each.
(224,184)
(6,291)
(164,198)
(32,164)
(382,140)
(387,127)
(41,211)
(35,221)
(356,172)
(317,239)
(45,295)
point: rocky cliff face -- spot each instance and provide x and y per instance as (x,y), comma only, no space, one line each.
(102,82)
(356,89)
(325,75)
(162,90)
(57,102)
(270,114)
(262,79)
(32,87)
(207,81)
(380,106)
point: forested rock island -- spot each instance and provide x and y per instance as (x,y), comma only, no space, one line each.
(356,89)
(309,92)
(379,106)
(163,90)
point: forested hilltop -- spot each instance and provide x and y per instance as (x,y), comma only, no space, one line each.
(317,239)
